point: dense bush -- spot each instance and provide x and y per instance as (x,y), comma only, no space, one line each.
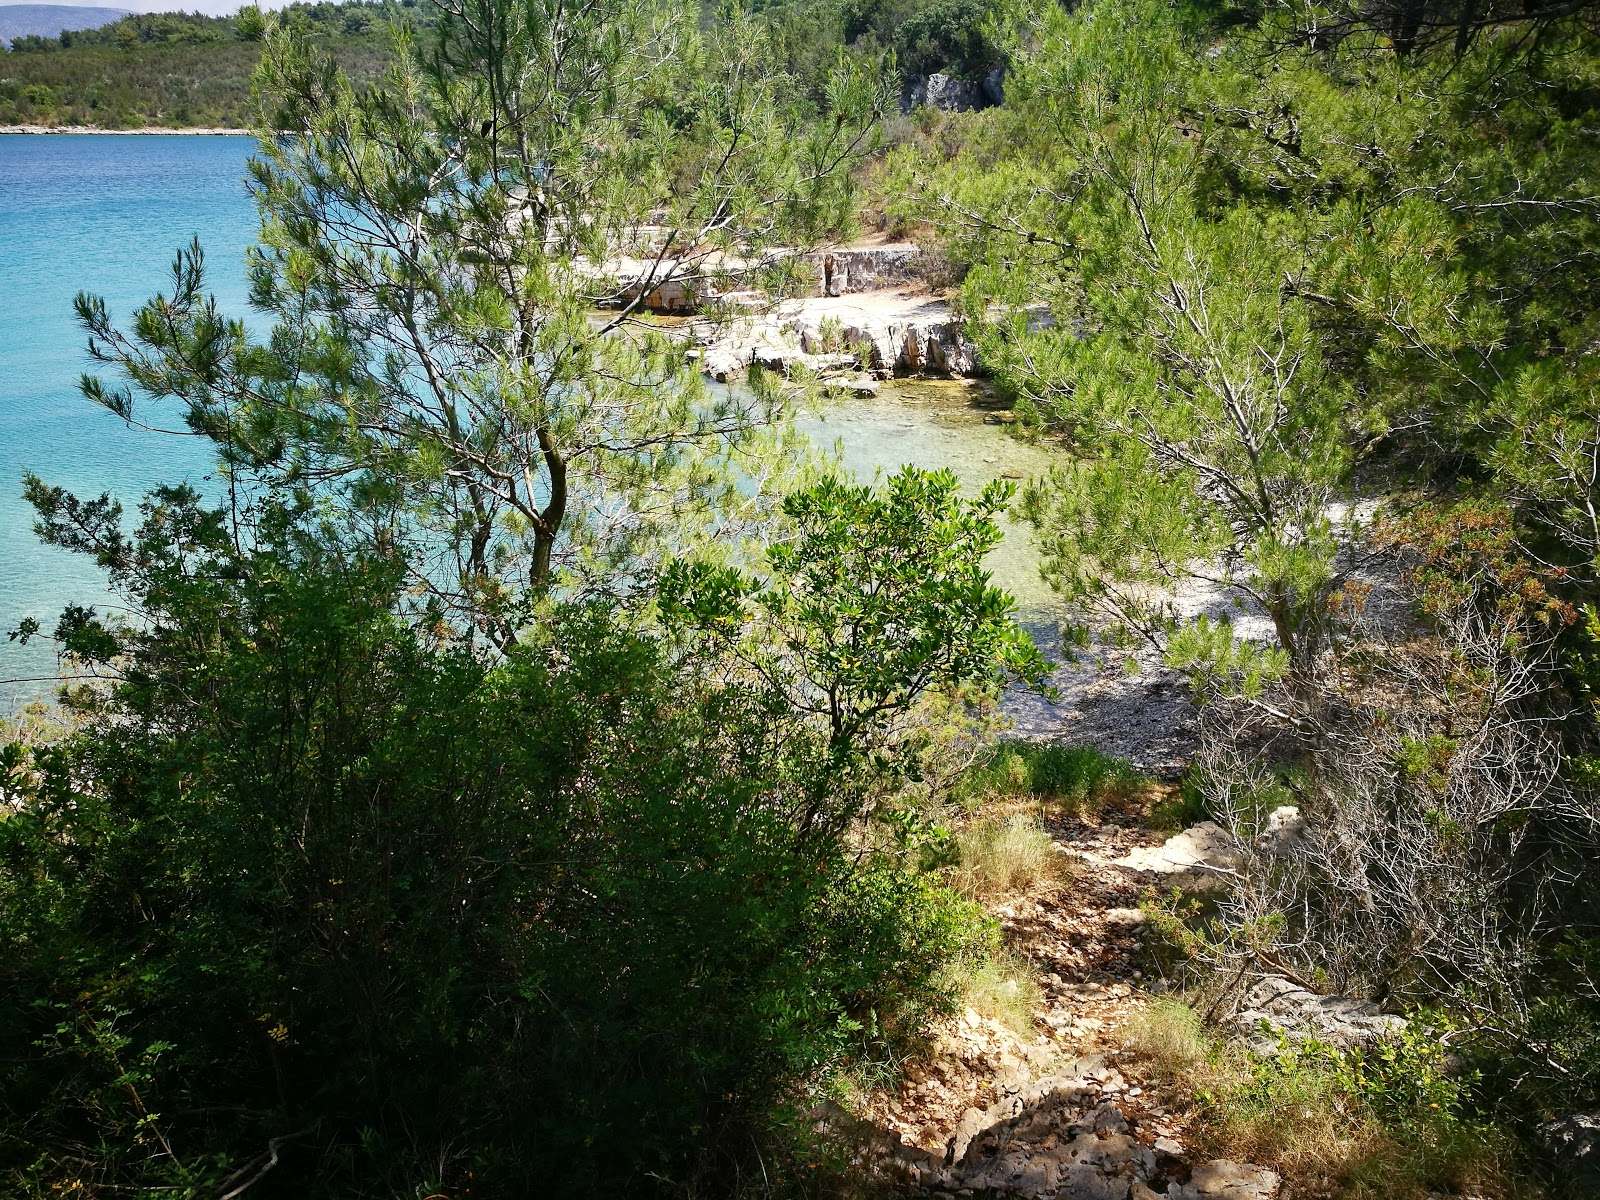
(313,888)
(949,36)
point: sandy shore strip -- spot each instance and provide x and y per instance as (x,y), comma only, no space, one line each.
(148,131)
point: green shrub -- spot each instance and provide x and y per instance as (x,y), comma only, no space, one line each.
(1187,806)
(1398,1121)
(438,922)
(949,36)
(1080,777)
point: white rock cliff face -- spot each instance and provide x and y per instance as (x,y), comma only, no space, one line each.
(868,313)
(880,334)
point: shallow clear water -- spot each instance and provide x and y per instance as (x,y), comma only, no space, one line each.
(104,215)
(935,424)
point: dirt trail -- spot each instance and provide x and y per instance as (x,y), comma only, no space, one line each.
(1066,1113)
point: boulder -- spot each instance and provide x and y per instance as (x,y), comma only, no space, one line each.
(1574,1142)
(1285,826)
(1200,858)
(1298,1014)
(1222,1179)
(945,92)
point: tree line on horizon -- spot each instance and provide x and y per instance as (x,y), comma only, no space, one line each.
(190,70)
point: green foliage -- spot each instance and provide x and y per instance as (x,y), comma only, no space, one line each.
(1399,1120)
(951,36)
(1189,805)
(879,597)
(442,379)
(1081,778)
(307,873)
(1252,313)
(1426,1130)
(408,837)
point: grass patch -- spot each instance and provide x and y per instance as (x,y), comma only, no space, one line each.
(1001,987)
(1392,1123)
(1005,858)
(1181,807)
(1081,778)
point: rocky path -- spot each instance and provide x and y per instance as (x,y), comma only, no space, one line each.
(1065,1113)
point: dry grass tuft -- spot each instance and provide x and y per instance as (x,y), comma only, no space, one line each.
(1003,858)
(1169,1034)
(1001,987)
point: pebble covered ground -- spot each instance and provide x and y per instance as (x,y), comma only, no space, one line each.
(1066,1112)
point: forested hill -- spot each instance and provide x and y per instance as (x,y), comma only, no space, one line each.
(188,70)
(176,69)
(49,20)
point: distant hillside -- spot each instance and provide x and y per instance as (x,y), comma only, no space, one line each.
(50,20)
(176,69)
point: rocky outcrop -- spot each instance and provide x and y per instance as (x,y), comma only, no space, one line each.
(684,288)
(853,269)
(1574,1142)
(673,296)
(945,92)
(929,342)
(994,90)
(951,93)
(894,347)
(1292,1011)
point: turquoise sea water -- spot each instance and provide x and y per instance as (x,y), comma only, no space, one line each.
(105,215)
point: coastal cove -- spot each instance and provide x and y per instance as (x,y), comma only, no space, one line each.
(105,214)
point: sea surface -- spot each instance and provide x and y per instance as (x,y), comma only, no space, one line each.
(103,215)
(106,215)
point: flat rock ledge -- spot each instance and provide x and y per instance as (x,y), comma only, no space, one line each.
(1202,858)
(1292,1012)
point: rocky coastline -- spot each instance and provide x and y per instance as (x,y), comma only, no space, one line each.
(148,131)
(872,316)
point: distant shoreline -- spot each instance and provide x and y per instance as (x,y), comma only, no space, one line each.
(148,131)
